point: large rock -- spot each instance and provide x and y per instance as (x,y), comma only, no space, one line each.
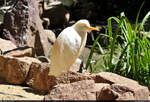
(121,88)
(89,90)
(15,70)
(6,45)
(38,77)
(81,90)
(23,26)
(102,77)
(44,42)
(109,86)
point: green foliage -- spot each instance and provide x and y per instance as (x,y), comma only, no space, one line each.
(133,59)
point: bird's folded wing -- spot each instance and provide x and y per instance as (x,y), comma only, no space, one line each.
(70,38)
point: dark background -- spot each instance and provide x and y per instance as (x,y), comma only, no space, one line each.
(100,10)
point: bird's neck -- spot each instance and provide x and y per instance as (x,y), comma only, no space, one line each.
(82,33)
(83,36)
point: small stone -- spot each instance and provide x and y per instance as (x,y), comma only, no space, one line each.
(107,94)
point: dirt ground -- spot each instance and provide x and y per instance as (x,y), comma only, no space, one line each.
(17,92)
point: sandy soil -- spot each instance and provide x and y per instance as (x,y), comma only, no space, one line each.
(17,92)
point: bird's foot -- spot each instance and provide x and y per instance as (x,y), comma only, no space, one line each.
(68,82)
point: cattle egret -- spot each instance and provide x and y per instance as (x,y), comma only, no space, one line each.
(68,47)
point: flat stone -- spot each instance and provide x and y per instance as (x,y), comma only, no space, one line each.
(111,78)
(6,45)
(20,52)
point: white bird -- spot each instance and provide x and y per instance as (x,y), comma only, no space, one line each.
(68,46)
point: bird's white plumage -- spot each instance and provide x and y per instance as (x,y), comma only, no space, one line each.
(67,47)
(70,39)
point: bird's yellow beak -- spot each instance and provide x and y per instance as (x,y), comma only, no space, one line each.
(93,28)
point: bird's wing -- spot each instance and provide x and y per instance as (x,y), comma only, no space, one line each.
(70,38)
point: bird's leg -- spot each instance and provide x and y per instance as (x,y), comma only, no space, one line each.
(68,81)
(57,81)
(1,52)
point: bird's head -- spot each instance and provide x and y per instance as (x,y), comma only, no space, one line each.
(83,26)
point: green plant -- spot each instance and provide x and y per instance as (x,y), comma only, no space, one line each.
(133,59)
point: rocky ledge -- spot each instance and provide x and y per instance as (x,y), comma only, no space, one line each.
(25,69)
